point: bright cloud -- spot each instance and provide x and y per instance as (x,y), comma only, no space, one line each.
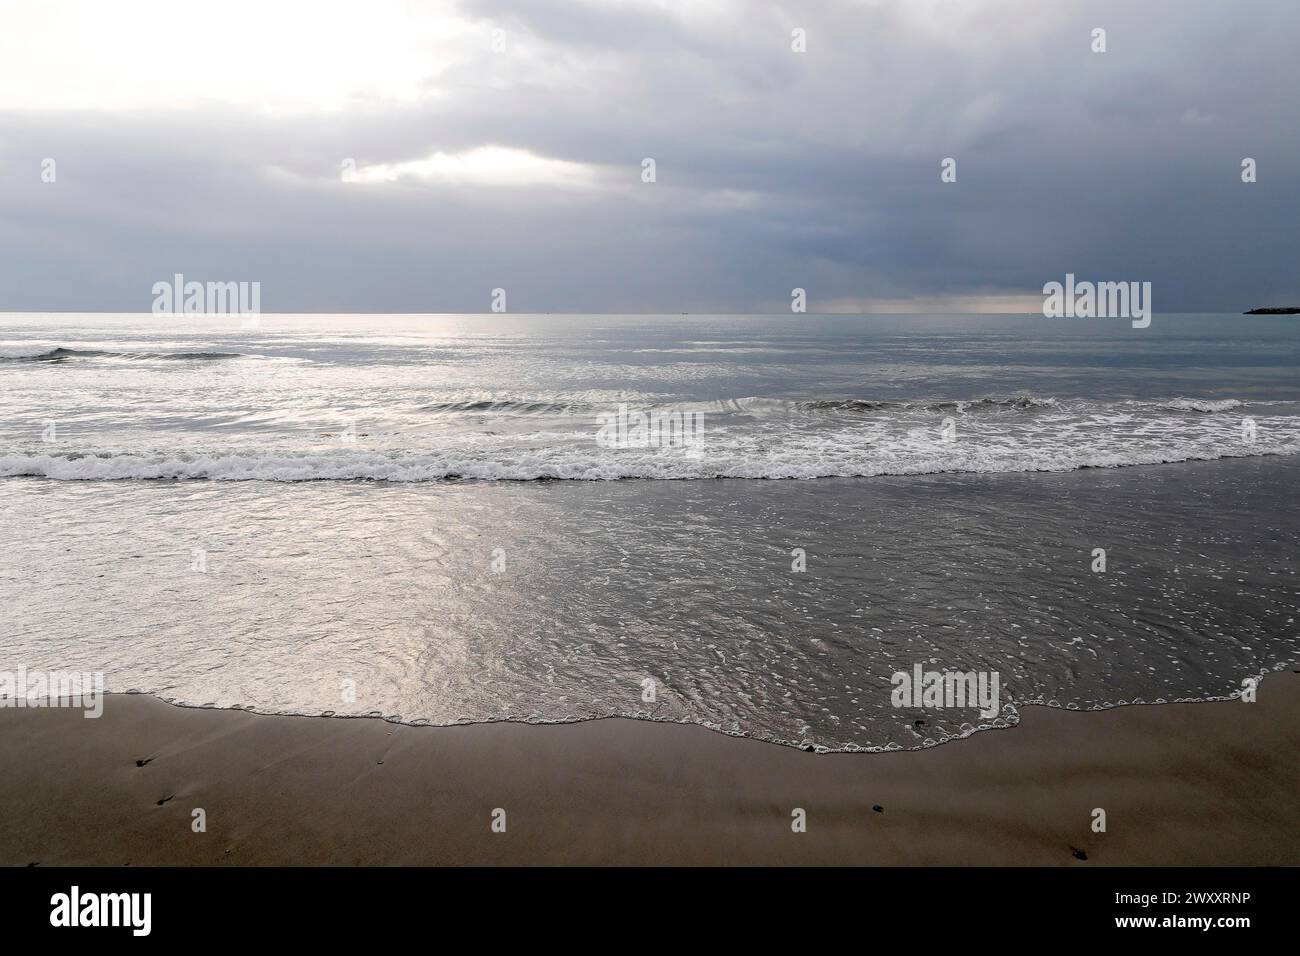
(485,166)
(287,55)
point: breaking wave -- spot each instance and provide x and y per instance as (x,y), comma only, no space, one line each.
(507,406)
(45,354)
(1200,404)
(976,404)
(570,464)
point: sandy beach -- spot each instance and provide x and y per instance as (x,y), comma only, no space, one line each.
(1210,783)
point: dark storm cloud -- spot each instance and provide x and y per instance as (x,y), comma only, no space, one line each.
(775,169)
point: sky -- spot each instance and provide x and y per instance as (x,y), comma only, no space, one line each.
(413,156)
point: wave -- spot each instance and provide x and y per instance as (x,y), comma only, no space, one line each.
(60,354)
(1015,402)
(1199,404)
(571,464)
(566,404)
(758,405)
(519,406)
(955,405)
(1019,401)
(750,405)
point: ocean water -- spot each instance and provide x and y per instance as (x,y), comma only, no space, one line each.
(406,515)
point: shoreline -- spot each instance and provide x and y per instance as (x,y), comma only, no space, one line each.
(419,722)
(1206,783)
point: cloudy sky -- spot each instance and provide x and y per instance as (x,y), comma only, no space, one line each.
(414,155)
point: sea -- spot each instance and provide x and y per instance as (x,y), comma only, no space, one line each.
(749,523)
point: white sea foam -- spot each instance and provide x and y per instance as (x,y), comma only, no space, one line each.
(828,457)
(1201,404)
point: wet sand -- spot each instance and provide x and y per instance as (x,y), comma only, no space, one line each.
(1211,783)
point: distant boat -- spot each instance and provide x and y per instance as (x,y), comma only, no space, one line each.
(1287,311)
